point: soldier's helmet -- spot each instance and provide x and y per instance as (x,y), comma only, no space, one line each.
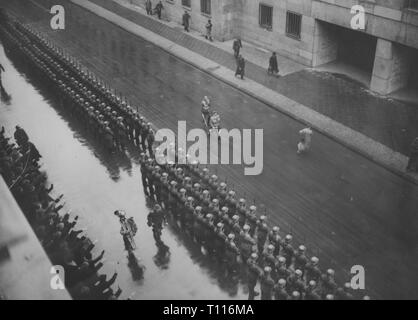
(288,238)
(190,199)
(182,190)
(235,218)
(198,209)
(187,179)
(157,168)
(173,183)
(312,284)
(267,269)
(206,192)
(220,225)
(254,256)
(298,273)
(282,283)
(263,218)
(225,209)
(231,236)
(329,297)
(215,201)
(209,216)
(195,162)
(276,229)
(282,260)
(330,272)
(270,248)
(246,227)
(314,260)
(205,171)
(150,161)
(302,248)
(196,185)
(231,193)
(242,201)
(222,185)
(214,177)
(366,298)
(253,208)
(295,295)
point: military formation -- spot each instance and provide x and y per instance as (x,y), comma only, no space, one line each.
(107,116)
(226,227)
(65,246)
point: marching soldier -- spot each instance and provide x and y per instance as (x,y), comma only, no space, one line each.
(232,254)
(312,271)
(254,272)
(267,285)
(275,239)
(288,251)
(312,292)
(328,283)
(280,292)
(262,232)
(300,258)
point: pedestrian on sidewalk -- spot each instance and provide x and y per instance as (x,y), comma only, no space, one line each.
(273,68)
(186,20)
(158,9)
(305,140)
(237,45)
(240,67)
(413,157)
(209,30)
(148,7)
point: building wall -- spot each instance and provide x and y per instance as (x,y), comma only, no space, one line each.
(319,43)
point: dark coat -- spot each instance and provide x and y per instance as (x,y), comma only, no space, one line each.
(186,18)
(237,44)
(273,64)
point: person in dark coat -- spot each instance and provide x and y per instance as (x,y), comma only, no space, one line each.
(148,7)
(237,45)
(209,30)
(186,21)
(240,67)
(158,9)
(413,157)
(273,66)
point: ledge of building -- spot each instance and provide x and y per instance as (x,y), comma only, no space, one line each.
(24,266)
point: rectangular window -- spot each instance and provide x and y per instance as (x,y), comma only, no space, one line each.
(293,24)
(413,4)
(266,16)
(205,6)
(186,3)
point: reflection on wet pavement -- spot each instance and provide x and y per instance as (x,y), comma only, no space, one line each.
(96,184)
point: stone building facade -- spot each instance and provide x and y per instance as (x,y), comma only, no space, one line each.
(314,32)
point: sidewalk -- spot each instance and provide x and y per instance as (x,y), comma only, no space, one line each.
(335,106)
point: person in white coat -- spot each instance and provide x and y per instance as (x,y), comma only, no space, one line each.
(305,140)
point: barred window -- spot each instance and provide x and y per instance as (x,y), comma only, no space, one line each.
(186,3)
(266,16)
(413,4)
(205,6)
(293,24)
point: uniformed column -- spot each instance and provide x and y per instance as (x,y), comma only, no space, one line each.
(391,67)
